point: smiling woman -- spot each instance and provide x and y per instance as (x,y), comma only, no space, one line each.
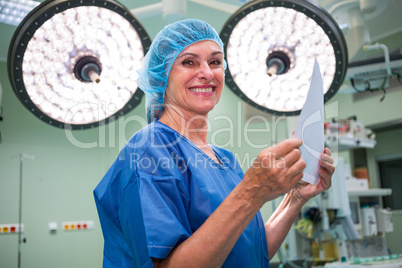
(195,82)
(173,200)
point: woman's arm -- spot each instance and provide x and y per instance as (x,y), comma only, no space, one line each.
(280,222)
(275,171)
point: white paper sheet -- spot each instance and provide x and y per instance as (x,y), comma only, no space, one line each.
(310,127)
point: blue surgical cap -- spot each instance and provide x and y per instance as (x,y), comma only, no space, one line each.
(158,61)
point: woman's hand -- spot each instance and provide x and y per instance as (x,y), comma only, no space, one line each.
(275,171)
(303,191)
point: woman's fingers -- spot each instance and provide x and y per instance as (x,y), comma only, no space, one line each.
(292,157)
(298,166)
(281,156)
(288,154)
(327,158)
(327,161)
(327,151)
(286,146)
(327,167)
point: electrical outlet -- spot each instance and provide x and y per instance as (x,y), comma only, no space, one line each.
(78,225)
(11,228)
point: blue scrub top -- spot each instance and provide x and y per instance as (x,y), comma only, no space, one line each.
(159,191)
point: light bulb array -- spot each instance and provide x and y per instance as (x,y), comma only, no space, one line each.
(301,34)
(50,42)
(60,42)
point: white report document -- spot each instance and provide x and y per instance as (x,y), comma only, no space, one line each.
(310,127)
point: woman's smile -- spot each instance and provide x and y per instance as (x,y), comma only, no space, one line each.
(196,79)
(203,89)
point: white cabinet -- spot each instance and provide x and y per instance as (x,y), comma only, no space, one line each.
(371,198)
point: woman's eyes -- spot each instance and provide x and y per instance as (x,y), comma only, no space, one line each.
(216,62)
(191,62)
(187,62)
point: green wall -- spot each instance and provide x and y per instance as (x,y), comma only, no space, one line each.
(370,111)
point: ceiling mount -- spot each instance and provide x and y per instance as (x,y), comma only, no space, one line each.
(88,69)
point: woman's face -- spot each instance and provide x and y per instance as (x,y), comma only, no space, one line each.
(196,79)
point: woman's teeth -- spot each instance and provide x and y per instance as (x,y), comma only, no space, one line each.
(202,90)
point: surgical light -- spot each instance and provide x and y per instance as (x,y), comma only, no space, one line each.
(74,63)
(270,47)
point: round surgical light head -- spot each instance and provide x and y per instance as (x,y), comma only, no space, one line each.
(74,63)
(270,46)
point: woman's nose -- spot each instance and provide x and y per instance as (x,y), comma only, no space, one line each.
(205,72)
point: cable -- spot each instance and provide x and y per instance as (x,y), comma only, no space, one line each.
(383,96)
(366,86)
(1,119)
(383,89)
(20,212)
(398,76)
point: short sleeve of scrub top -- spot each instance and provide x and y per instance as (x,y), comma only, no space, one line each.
(180,187)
